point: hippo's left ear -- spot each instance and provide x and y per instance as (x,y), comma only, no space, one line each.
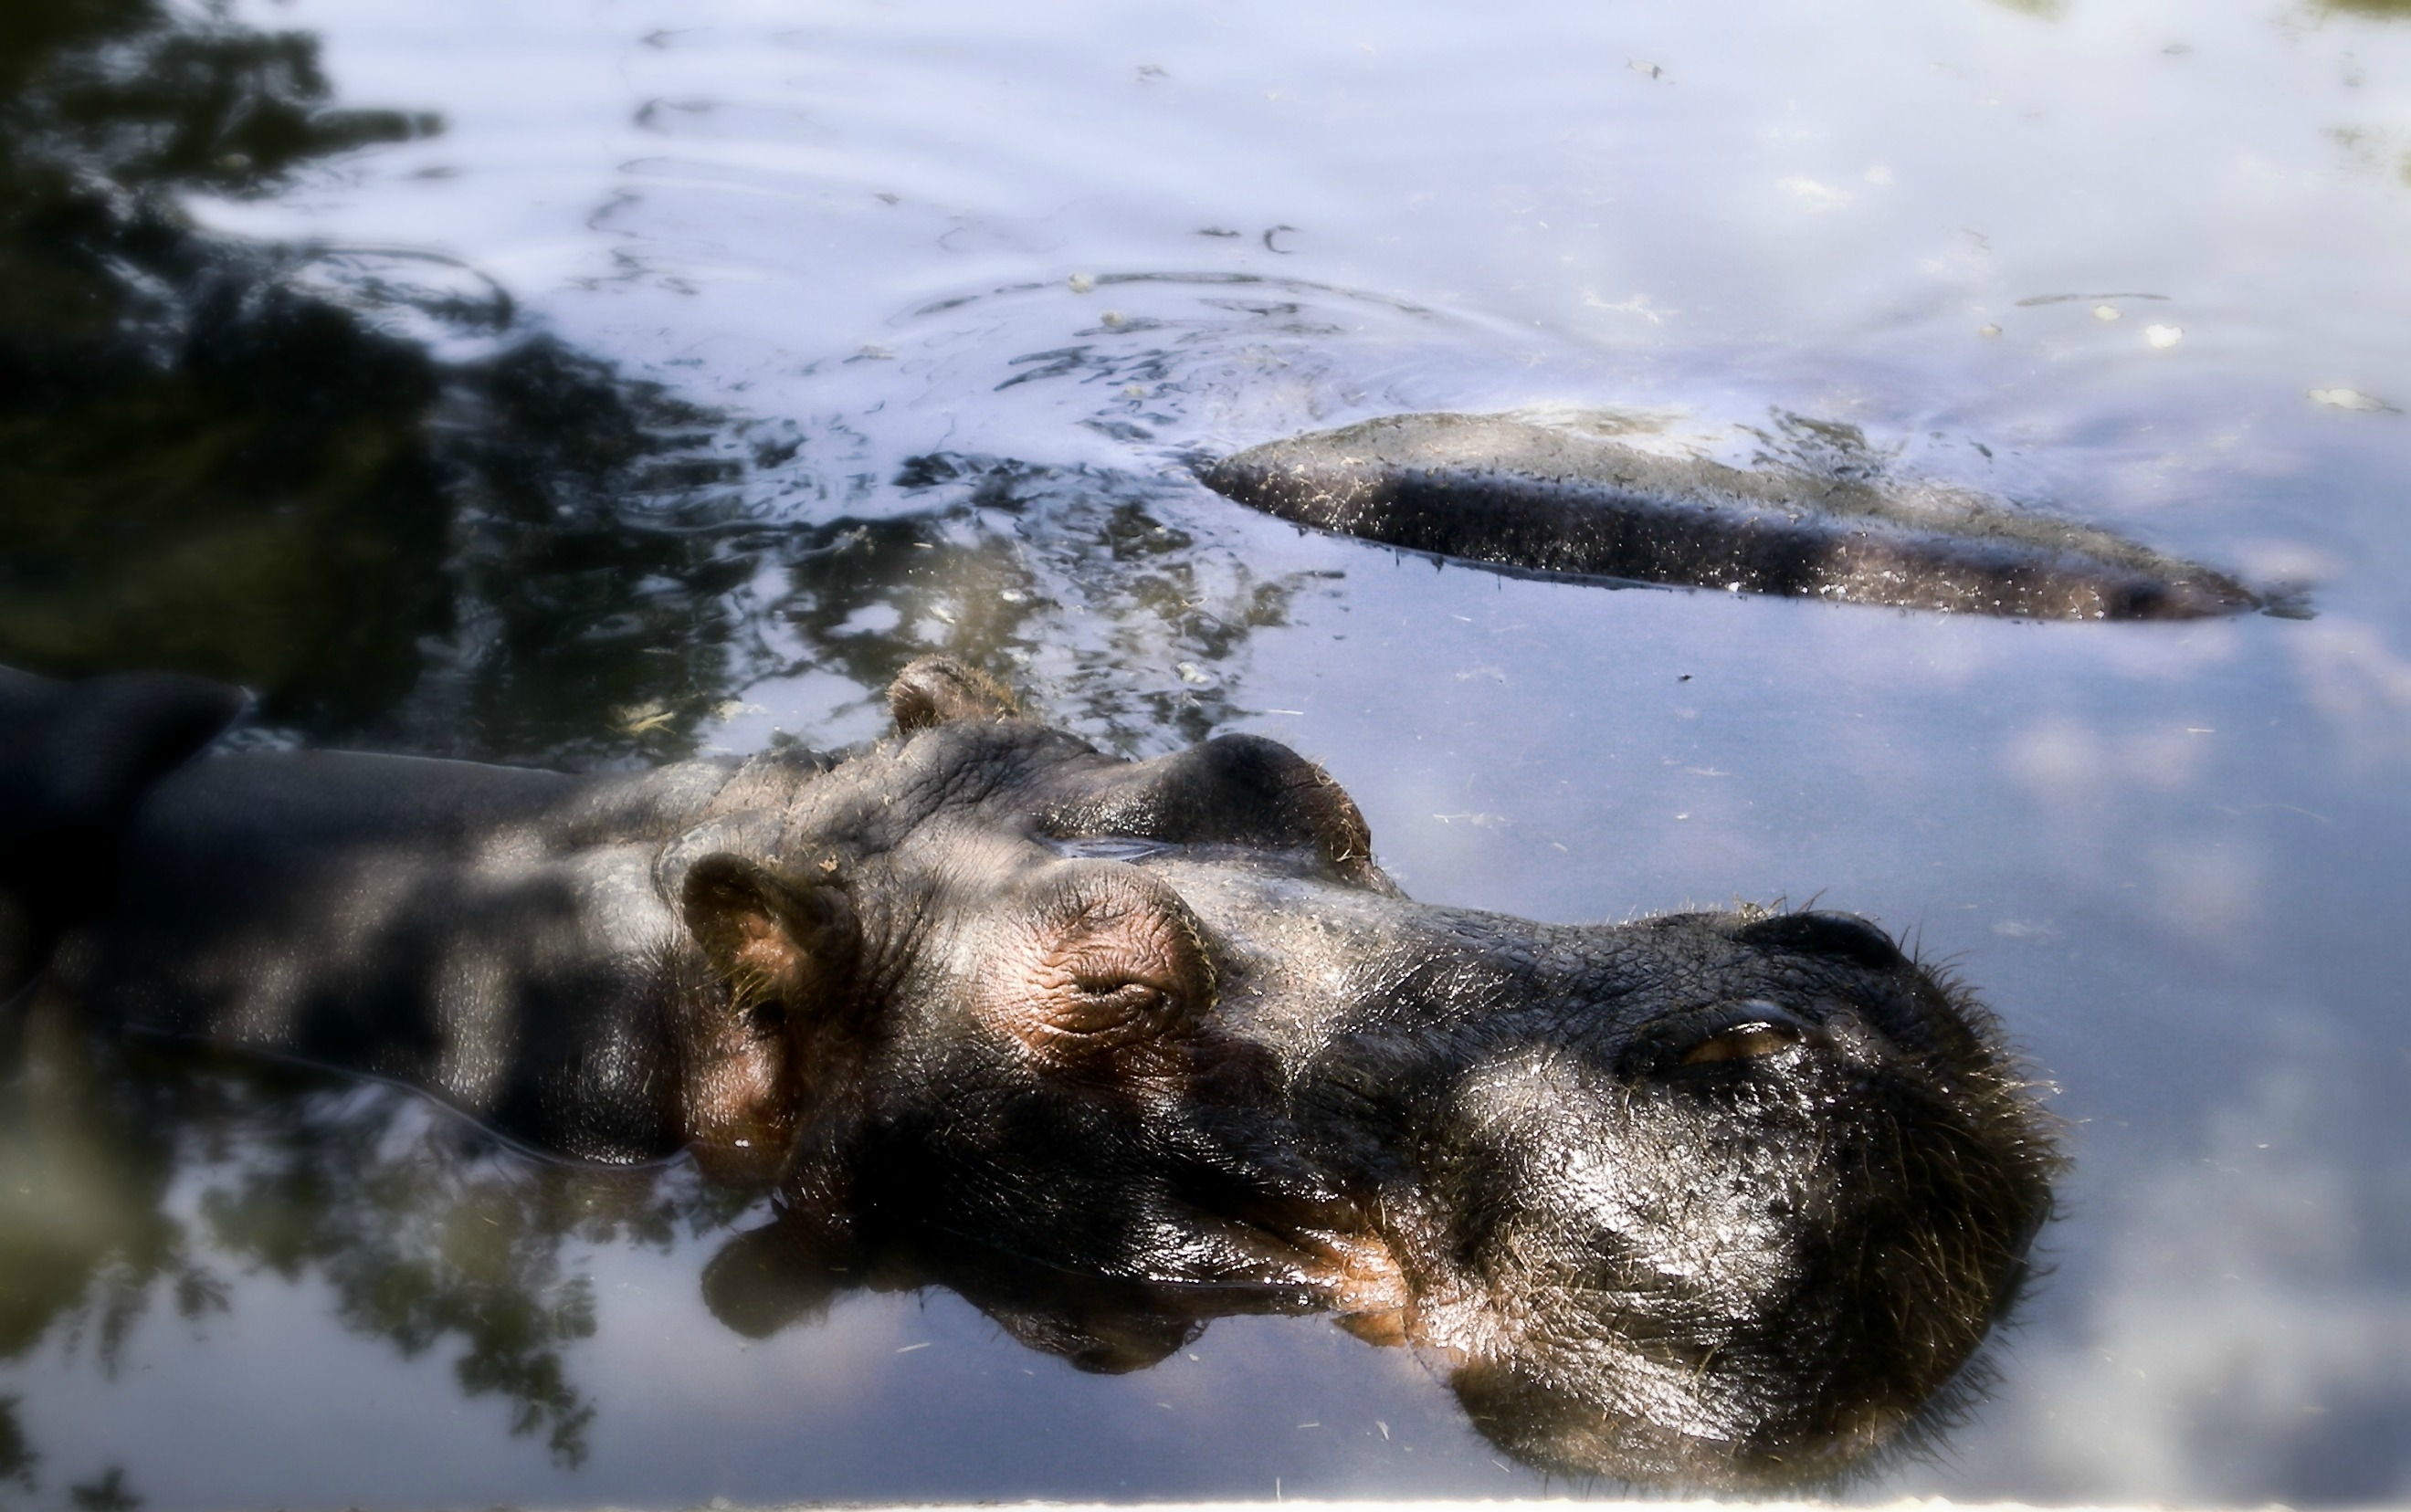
(773,938)
(938,690)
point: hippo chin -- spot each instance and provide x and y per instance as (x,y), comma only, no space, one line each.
(1715,1199)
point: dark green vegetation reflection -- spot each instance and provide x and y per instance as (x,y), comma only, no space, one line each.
(249,461)
(425,1232)
(212,465)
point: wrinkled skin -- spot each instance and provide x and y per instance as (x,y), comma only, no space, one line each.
(1717,1199)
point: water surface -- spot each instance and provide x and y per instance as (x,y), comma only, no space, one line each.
(625,381)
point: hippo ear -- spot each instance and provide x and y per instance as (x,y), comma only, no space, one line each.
(937,689)
(771,938)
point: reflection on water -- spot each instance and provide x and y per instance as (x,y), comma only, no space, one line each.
(427,1235)
(834,338)
(2257,1301)
(117,321)
(319,506)
(370,492)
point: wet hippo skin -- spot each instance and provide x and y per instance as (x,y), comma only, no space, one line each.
(1717,1199)
(1559,500)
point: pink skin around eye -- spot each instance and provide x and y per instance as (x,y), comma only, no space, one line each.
(1111,966)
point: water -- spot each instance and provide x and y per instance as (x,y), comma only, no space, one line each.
(706,362)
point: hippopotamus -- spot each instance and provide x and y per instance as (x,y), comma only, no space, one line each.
(1565,500)
(1712,1198)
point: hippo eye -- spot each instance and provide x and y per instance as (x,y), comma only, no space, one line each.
(1747,1042)
(1102,1007)
(1105,962)
(1747,1031)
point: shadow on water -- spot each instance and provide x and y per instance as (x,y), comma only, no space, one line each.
(367,490)
(318,506)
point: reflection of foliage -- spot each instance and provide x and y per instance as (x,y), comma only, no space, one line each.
(243,468)
(81,1238)
(263,530)
(2375,9)
(114,88)
(415,1258)
(110,1493)
(593,569)
(84,1248)
(17,1457)
(250,465)
(427,1235)
(116,322)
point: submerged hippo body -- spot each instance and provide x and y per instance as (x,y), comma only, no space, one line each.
(1713,1198)
(1556,501)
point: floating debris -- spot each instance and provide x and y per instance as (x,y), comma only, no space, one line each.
(641,719)
(1555,502)
(2163,336)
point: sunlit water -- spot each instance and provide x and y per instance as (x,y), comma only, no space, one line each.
(963,286)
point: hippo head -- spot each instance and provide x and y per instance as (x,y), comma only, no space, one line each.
(1717,1200)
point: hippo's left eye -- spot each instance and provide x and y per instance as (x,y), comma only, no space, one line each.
(1745,1041)
(1107,961)
(1747,1031)
(1105,1007)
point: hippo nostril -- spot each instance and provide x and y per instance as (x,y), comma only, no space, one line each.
(1842,935)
